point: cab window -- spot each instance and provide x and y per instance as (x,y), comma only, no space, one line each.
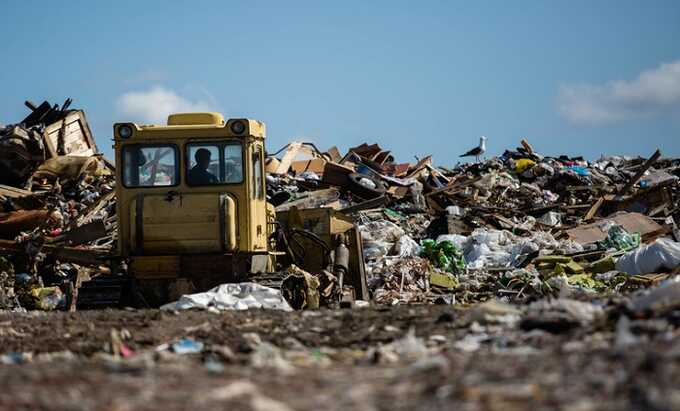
(150,165)
(257,185)
(214,163)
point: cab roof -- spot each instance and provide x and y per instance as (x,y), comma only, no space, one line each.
(205,121)
(194,119)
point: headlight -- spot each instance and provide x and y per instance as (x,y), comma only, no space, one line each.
(125,131)
(238,127)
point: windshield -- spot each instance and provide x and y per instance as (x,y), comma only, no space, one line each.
(214,163)
(150,165)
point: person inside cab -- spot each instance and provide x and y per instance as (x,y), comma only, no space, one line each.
(199,174)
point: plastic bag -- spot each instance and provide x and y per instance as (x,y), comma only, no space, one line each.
(378,238)
(580,170)
(240,296)
(455,210)
(310,175)
(381,230)
(367,182)
(457,239)
(416,190)
(551,219)
(620,239)
(662,254)
(406,247)
(444,255)
(481,255)
(523,164)
(48,298)
(487,248)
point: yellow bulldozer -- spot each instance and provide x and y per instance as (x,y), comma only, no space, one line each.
(193,213)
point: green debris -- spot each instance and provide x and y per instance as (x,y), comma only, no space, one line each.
(552,259)
(559,265)
(394,215)
(620,239)
(586,281)
(47,298)
(603,265)
(444,280)
(525,281)
(571,267)
(444,255)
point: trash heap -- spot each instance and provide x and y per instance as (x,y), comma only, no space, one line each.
(519,227)
(57,208)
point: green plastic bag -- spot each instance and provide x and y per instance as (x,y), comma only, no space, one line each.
(444,255)
(619,238)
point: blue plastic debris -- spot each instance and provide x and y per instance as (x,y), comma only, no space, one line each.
(214,365)
(187,346)
(13,357)
(580,170)
(22,279)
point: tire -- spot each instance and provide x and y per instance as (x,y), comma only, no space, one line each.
(362,191)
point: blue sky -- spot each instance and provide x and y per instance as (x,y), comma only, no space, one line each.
(574,77)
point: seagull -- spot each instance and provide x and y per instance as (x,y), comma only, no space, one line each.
(477,151)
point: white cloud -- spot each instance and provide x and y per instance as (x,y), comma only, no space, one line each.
(653,92)
(154,105)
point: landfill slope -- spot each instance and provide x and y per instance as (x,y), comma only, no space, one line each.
(337,359)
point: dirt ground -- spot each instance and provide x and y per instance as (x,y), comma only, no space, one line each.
(360,359)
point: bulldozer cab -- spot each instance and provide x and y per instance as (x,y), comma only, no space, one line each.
(192,211)
(194,187)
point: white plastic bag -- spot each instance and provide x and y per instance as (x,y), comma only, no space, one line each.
(378,238)
(662,254)
(457,239)
(406,247)
(240,296)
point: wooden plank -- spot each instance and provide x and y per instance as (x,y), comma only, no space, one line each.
(366,205)
(593,210)
(315,165)
(527,146)
(315,199)
(453,186)
(13,192)
(64,254)
(102,202)
(646,166)
(284,165)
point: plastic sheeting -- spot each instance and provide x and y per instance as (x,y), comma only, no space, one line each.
(240,296)
(379,237)
(498,248)
(406,247)
(494,248)
(662,254)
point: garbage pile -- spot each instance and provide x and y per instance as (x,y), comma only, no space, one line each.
(521,227)
(57,208)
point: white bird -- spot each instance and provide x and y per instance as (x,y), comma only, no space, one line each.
(477,151)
